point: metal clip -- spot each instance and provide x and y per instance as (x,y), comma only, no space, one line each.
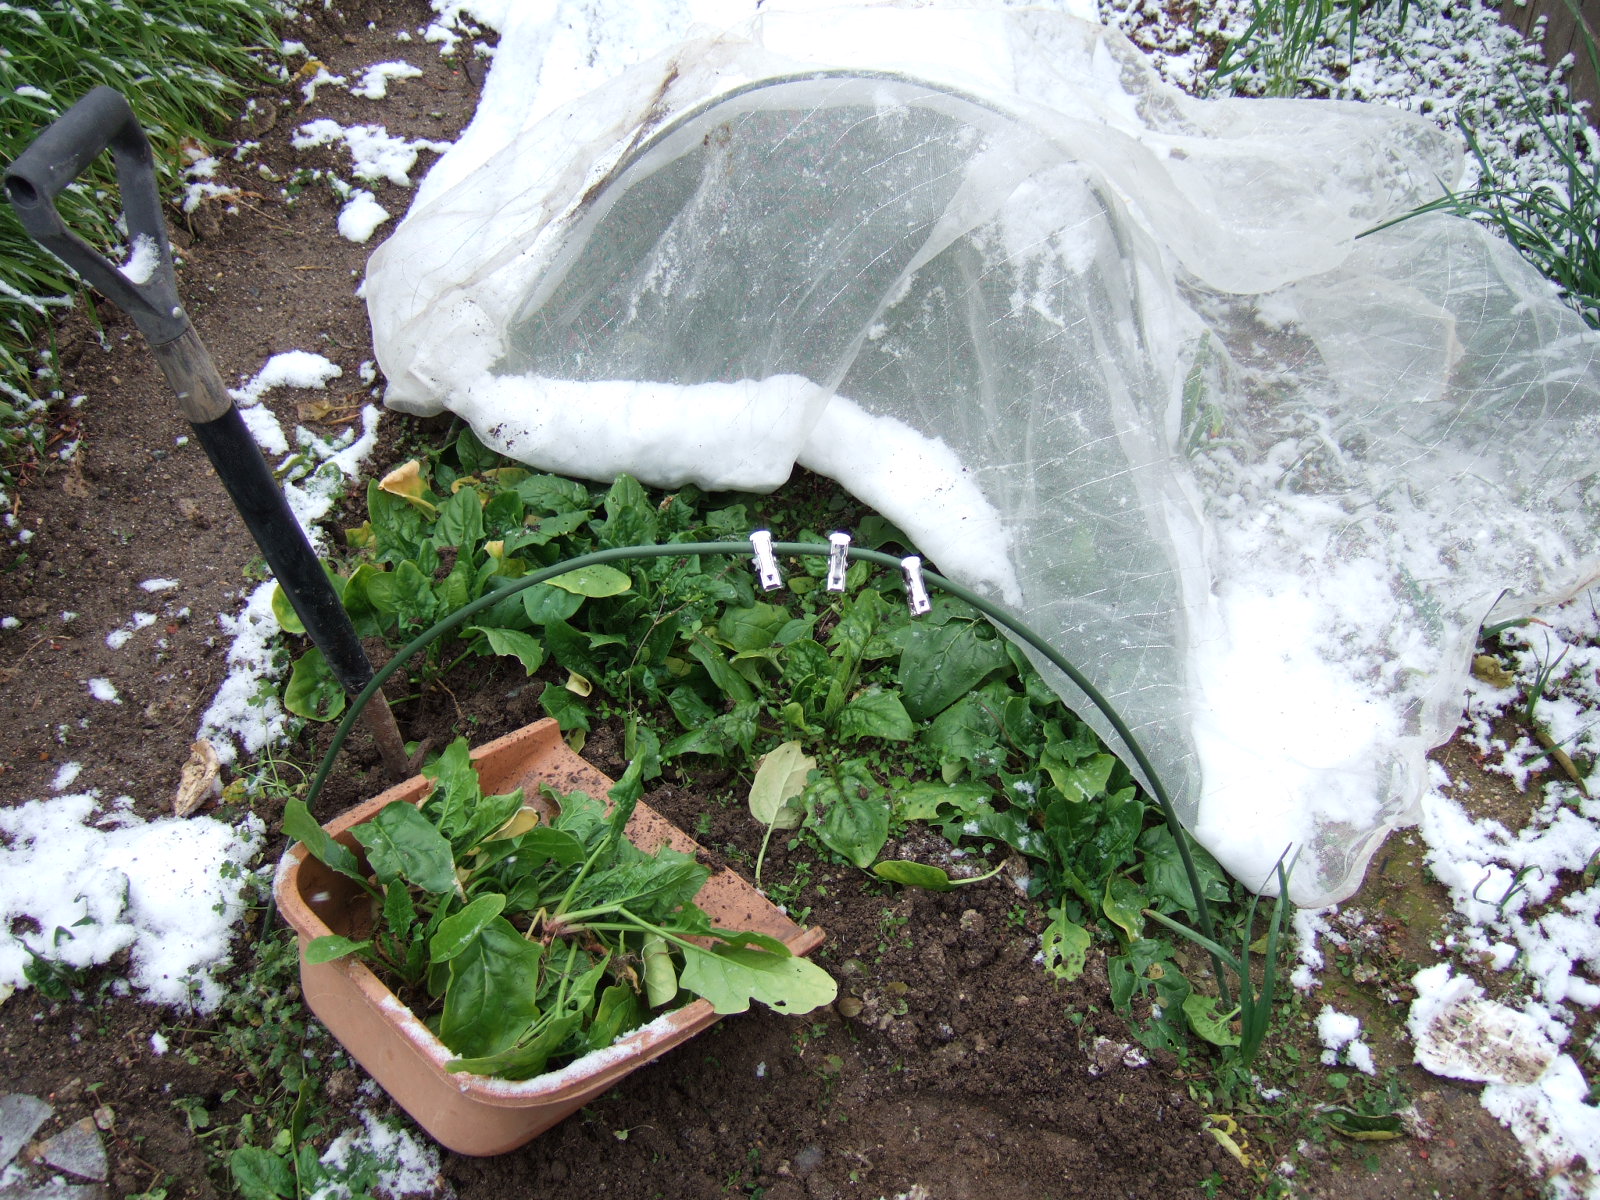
(838,560)
(916,590)
(766,565)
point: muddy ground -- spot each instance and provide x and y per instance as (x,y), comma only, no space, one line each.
(956,1068)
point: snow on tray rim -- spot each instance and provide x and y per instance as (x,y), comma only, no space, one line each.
(643,1043)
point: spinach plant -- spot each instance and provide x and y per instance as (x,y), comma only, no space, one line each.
(881,721)
(533,943)
(441,534)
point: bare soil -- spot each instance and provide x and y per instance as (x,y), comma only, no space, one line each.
(953,1066)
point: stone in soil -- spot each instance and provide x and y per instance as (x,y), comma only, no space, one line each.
(77,1150)
(20,1118)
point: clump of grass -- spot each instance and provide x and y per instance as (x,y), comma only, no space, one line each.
(1256,1003)
(1554,224)
(1282,36)
(1550,213)
(182,64)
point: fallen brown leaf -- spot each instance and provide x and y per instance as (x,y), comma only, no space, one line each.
(199,774)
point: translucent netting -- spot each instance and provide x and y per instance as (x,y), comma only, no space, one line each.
(1113,355)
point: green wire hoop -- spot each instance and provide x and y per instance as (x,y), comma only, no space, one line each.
(737,549)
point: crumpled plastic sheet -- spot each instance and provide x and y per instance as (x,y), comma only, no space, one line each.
(1118,357)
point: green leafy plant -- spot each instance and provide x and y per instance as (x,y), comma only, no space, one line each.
(1255,1004)
(857,720)
(53,978)
(1282,34)
(529,942)
(443,534)
(182,64)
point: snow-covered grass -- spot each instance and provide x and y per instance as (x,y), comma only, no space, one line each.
(1527,900)
(1535,168)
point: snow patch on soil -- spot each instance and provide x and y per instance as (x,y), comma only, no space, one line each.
(375,79)
(293,368)
(81,881)
(377,154)
(361,216)
(409,1167)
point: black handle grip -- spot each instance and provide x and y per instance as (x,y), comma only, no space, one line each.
(102,120)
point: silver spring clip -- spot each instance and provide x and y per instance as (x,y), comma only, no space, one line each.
(916,590)
(838,560)
(765,563)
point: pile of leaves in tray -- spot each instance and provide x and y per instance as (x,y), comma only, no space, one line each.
(524,944)
(855,719)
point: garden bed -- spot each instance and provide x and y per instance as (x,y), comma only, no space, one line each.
(953,1064)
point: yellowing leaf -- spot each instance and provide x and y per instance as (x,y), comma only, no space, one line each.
(333,411)
(1363,1127)
(1492,671)
(521,821)
(405,481)
(578,685)
(1224,1128)
(780,777)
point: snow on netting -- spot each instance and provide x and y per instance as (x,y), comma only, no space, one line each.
(1115,356)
